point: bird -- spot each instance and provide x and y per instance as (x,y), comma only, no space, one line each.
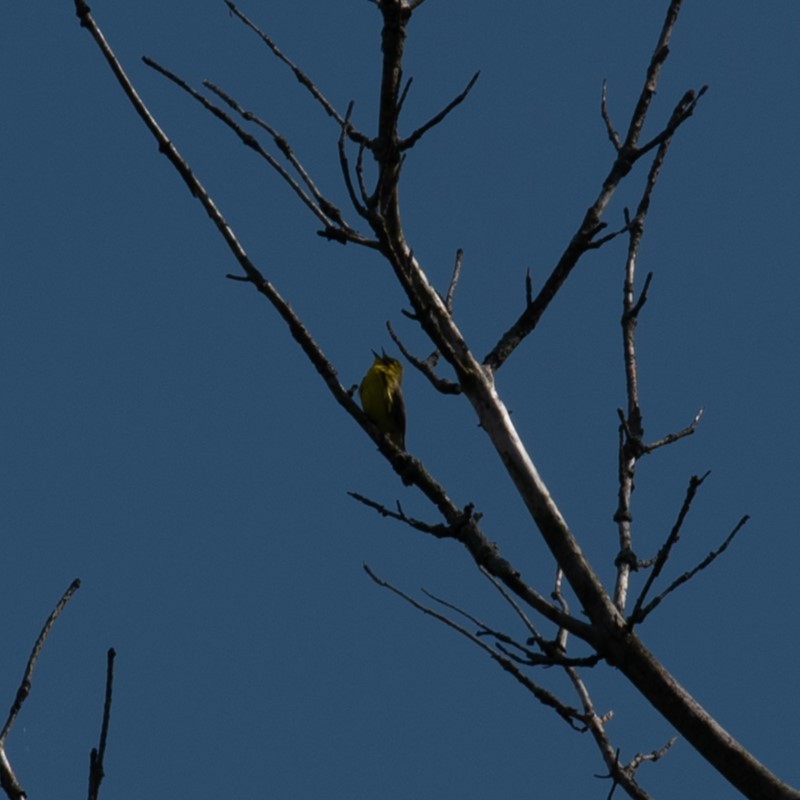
(382,397)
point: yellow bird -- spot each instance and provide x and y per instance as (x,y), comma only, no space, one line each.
(382,397)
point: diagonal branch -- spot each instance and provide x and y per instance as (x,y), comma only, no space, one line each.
(567,713)
(323,210)
(8,780)
(425,366)
(584,238)
(652,75)
(410,141)
(298,73)
(25,686)
(692,572)
(327,208)
(666,549)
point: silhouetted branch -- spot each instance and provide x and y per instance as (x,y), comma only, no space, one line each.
(97,756)
(664,552)
(411,140)
(567,713)
(692,572)
(298,73)
(425,366)
(584,238)
(329,209)
(674,437)
(612,133)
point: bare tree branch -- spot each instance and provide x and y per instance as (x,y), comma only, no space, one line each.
(97,756)
(567,713)
(692,572)
(451,289)
(605,630)
(8,780)
(670,438)
(25,686)
(410,141)
(664,552)
(584,238)
(326,207)
(298,73)
(425,366)
(632,446)
(612,133)
(247,138)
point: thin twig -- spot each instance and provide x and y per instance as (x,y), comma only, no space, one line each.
(410,141)
(403,95)
(451,289)
(298,73)
(534,634)
(8,780)
(246,138)
(425,366)
(97,756)
(596,725)
(650,84)
(344,163)
(584,238)
(502,640)
(528,288)
(438,530)
(632,430)
(674,437)
(692,572)
(25,685)
(612,133)
(683,110)
(652,756)
(329,209)
(566,712)
(665,550)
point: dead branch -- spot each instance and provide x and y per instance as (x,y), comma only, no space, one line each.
(425,366)
(410,141)
(692,572)
(674,437)
(584,238)
(298,73)
(664,552)
(632,429)
(98,754)
(606,630)
(8,780)
(610,130)
(567,713)
(451,289)
(323,204)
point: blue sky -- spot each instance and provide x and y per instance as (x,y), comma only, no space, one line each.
(165,441)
